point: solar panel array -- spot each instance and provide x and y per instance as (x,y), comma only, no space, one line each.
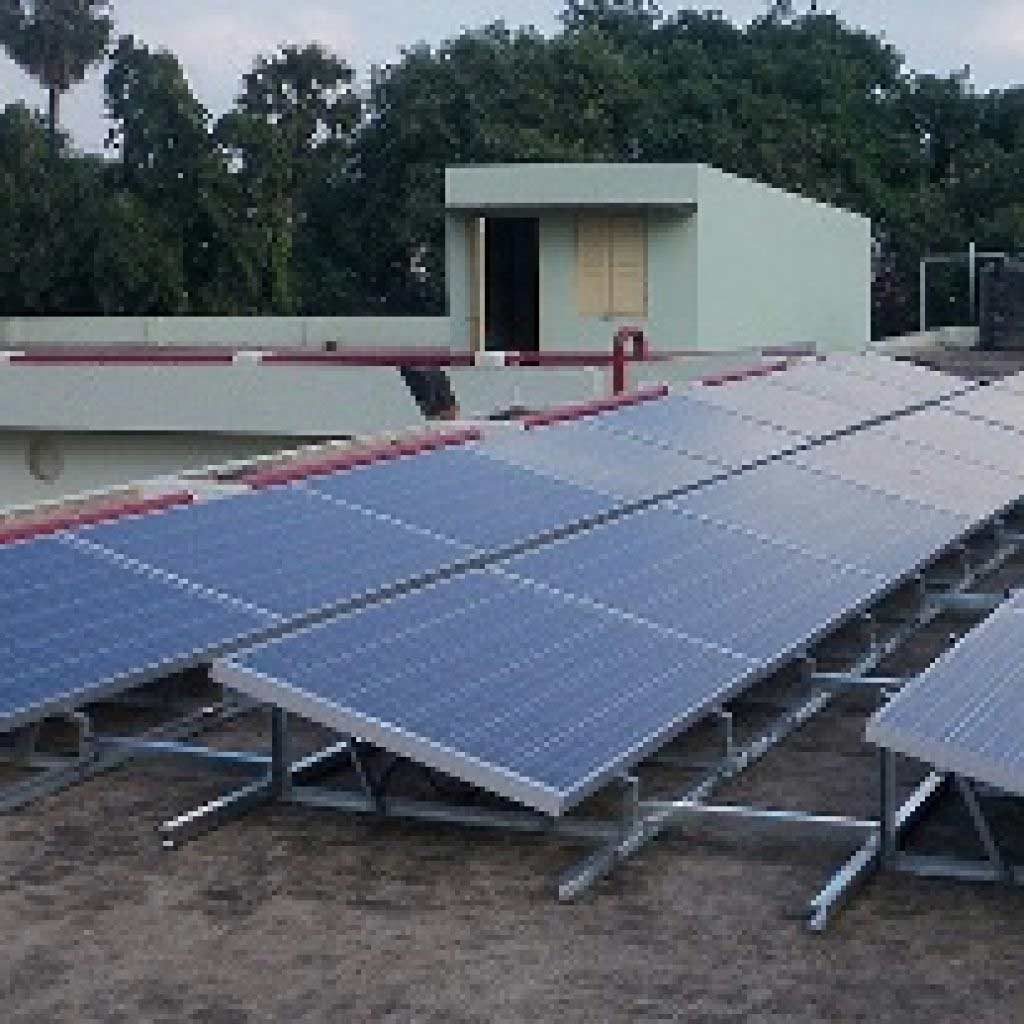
(78,626)
(963,437)
(997,403)
(688,424)
(614,465)
(828,517)
(607,628)
(509,686)
(286,551)
(463,496)
(873,458)
(966,713)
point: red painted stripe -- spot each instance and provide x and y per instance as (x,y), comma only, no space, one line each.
(108,513)
(566,413)
(124,357)
(424,358)
(362,457)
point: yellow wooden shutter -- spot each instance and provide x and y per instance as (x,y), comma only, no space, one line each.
(628,266)
(593,260)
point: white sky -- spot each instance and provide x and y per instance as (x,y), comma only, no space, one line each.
(217,39)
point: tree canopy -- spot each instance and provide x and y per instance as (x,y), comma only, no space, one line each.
(55,41)
(313,196)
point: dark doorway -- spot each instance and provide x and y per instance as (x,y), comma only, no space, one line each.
(513,284)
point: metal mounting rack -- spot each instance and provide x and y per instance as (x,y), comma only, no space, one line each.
(641,820)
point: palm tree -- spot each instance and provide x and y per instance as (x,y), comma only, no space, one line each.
(55,41)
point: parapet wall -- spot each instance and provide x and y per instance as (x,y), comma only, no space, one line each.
(230,331)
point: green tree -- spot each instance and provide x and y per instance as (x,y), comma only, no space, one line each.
(296,113)
(170,161)
(55,41)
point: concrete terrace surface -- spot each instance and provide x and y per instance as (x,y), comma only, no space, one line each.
(294,915)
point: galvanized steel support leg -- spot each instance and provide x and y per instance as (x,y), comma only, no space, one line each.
(280,768)
(888,832)
(866,860)
(578,879)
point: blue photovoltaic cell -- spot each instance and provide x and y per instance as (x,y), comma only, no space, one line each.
(829,517)
(873,458)
(686,424)
(467,497)
(963,437)
(284,550)
(764,400)
(614,464)
(513,688)
(719,586)
(966,713)
(77,625)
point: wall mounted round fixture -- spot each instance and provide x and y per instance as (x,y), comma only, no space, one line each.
(45,458)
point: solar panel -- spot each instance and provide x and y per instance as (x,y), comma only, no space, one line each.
(993,403)
(920,382)
(829,518)
(465,496)
(763,400)
(873,458)
(963,437)
(966,713)
(286,551)
(871,398)
(549,700)
(703,581)
(683,423)
(78,626)
(1014,383)
(613,464)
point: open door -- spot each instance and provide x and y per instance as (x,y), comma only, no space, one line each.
(511,296)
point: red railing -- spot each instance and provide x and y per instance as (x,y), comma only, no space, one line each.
(630,345)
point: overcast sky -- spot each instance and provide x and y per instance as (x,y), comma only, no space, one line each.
(216,39)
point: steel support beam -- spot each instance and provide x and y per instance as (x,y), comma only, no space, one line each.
(578,879)
(94,761)
(276,784)
(681,811)
(867,859)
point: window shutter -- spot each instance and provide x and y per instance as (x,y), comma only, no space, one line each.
(628,266)
(593,260)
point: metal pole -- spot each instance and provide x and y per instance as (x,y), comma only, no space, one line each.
(280,769)
(972,261)
(923,316)
(887,784)
(619,364)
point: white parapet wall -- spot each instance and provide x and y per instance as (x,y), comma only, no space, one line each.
(231,399)
(231,332)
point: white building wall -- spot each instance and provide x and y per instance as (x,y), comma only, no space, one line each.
(671,322)
(228,331)
(778,269)
(75,463)
(277,401)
